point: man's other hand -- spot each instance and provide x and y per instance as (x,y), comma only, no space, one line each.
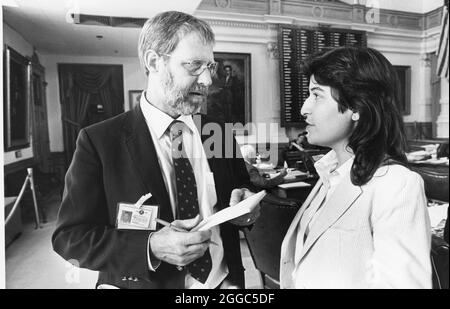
(238,195)
(283,172)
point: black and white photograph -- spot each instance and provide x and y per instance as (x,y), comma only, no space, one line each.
(251,145)
(126,217)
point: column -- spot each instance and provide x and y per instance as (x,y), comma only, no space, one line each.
(442,120)
(425,106)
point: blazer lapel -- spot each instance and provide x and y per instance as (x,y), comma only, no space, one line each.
(302,209)
(343,197)
(143,154)
(289,241)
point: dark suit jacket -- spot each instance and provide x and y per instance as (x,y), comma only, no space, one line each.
(115,161)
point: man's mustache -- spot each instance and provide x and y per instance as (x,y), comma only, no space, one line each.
(200,90)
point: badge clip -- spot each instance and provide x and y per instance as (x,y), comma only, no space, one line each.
(141,201)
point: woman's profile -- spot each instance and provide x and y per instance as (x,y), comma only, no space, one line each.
(365,224)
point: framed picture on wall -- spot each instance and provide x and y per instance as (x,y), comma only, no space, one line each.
(229,98)
(404,77)
(16,100)
(134,98)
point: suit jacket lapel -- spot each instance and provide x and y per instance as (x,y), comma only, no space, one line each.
(200,121)
(145,160)
(343,197)
(214,165)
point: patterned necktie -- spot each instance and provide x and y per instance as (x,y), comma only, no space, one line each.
(187,207)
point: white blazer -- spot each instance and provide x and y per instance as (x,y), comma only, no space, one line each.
(374,236)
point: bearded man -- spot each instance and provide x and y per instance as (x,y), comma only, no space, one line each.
(157,148)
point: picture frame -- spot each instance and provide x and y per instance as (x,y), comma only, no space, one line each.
(17,87)
(134,96)
(229,97)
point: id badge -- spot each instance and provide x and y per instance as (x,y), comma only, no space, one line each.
(132,217)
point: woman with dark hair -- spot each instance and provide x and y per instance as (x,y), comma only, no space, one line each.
(365,224)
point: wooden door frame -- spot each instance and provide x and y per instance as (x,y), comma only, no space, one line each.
(39,70)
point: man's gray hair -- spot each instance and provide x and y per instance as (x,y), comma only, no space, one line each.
(163,32)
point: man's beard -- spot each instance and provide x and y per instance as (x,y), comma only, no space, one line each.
(178,99)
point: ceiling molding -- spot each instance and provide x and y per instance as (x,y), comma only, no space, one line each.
(237,24)
(48,24)
(433,19)
(324,11)
(264,30)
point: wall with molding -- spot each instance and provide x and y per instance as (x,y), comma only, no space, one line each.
(404,38)
(251,27)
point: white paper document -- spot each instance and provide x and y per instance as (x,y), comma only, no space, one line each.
(298,184)
(292,174)
(242,208)
(417,155)
(437,214)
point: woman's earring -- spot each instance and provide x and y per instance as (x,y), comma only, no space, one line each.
(355,117)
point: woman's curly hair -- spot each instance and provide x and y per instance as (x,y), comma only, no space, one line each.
(364,81)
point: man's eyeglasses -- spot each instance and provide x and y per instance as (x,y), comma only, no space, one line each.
(197,67)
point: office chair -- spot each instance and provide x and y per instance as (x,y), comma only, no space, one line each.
(293,158)
(266,235)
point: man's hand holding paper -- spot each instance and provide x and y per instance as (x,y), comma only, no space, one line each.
(237,196)
(243,210)
(180,248)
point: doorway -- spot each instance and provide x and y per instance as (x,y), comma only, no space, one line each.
(89,93)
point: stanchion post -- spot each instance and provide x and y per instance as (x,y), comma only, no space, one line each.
(36,210)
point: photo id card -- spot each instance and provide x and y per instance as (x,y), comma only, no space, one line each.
(131,217)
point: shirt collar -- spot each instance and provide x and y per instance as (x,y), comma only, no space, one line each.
(159,121)
(326,167)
